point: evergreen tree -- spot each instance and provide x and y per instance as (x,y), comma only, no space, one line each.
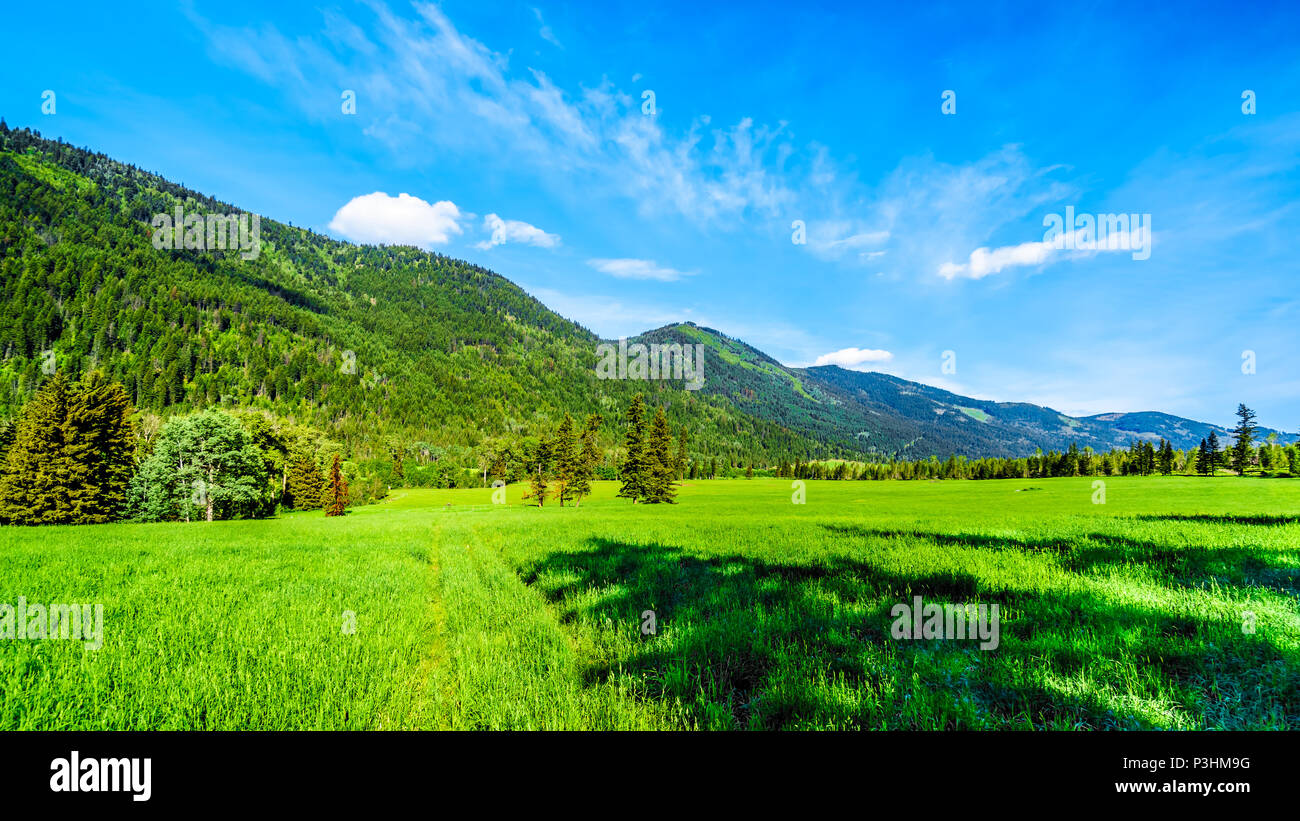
(338,490)
(305,484)
(565,456)
(539,483)
(399,471)
(636,464)
(660,461)
(1213,456)
(588,458)
(100,448)
(35,478)
(679,466)
(1166,457)
(1203,458)
(1245,435)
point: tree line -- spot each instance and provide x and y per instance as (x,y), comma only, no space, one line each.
(79,453)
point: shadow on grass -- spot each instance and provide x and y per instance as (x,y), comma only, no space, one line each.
(1221,519)
(1186,566)
(751,643)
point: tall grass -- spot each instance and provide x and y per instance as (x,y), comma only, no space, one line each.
(768,614)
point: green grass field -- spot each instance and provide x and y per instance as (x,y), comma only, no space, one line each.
(469,615)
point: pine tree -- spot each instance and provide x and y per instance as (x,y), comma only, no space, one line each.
(588,458)
(338,490)
(565,455)
(679,466)
(660,461)
(1166,457)
(305,483)
(539,481)
(1245,435)
(635,469)
(100,442)
(1213,456)
(399,472)
(35,478)
(1203,458)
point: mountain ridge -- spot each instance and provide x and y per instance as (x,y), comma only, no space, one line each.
(443,351)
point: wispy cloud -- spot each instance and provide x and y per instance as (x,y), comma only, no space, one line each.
(636,269)
(545,31)
(421,83)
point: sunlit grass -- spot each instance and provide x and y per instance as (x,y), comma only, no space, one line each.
(768,614)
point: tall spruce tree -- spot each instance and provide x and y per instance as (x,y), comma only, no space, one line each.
(565,455)
(1213,456)
(539,480)
(1166,457)
(635,470)
(35,478)
(660,461)
(588,458)
(100,441)
(679,465)
(305,484)
(1245,436)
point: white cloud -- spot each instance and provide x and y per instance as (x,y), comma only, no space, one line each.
(853,358)
(984,261)
(636,269)
(402,220)
(504,231)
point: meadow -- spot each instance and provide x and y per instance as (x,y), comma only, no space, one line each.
(1171,606)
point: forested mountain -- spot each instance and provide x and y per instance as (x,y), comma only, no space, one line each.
(393,344)
(374,344)
(885,416)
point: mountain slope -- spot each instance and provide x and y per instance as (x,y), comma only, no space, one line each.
(394,344)
(887,416)
(372,343)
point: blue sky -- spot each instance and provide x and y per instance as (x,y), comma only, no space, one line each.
(521,137)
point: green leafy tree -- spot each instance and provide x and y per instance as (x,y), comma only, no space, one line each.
(679,466)
(202,466)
